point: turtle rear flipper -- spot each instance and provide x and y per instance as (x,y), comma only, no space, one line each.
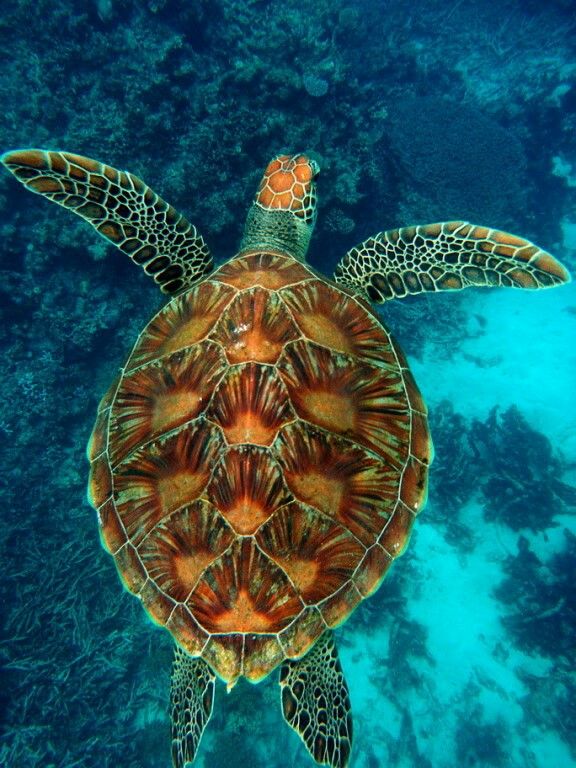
(316,704)
(445,256)
(122,209)
(191,702)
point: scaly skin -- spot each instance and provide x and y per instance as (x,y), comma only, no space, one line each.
(282,216)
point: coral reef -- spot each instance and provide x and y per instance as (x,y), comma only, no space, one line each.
(538,595)
(520,483)
(481,743)
(467,175)
(523,489)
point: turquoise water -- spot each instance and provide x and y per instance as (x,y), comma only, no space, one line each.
(466,654)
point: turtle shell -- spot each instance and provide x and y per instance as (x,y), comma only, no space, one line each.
(259,463)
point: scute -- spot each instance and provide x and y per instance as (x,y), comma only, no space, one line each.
(260,463)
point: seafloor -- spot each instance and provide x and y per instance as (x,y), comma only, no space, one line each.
(418,112)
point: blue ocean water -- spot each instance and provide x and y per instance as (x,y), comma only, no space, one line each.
(433,112)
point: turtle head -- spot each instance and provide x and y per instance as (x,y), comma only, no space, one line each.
(283,213)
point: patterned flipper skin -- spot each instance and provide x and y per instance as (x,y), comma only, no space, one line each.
(191,702)
(122,209)
(316,704)
(446,256)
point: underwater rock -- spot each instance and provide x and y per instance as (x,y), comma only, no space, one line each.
(456,160)
(521,487)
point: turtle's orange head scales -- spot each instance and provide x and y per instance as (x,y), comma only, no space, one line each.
(283,213)
(288,185)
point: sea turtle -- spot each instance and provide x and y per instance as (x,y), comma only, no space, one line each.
(260,460)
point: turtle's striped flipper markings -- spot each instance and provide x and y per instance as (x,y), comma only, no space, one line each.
(122,209)
(316,704)
(445,256)
(191,702)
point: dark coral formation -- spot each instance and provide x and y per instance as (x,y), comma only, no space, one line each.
(446,180)
(511,467)
(539,599)
(540,617)
(523,490)
(480,743)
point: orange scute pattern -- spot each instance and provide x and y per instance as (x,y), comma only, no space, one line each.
(243,591)
(247,487)
(341,394)
(342,481)
(255,328)
(157,398)
(260,461)
(185,321)
(251,404)
(267,270)
(286,184)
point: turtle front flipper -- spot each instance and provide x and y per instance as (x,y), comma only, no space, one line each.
(445,256)
(191,701)
(122,209)
(316,704)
